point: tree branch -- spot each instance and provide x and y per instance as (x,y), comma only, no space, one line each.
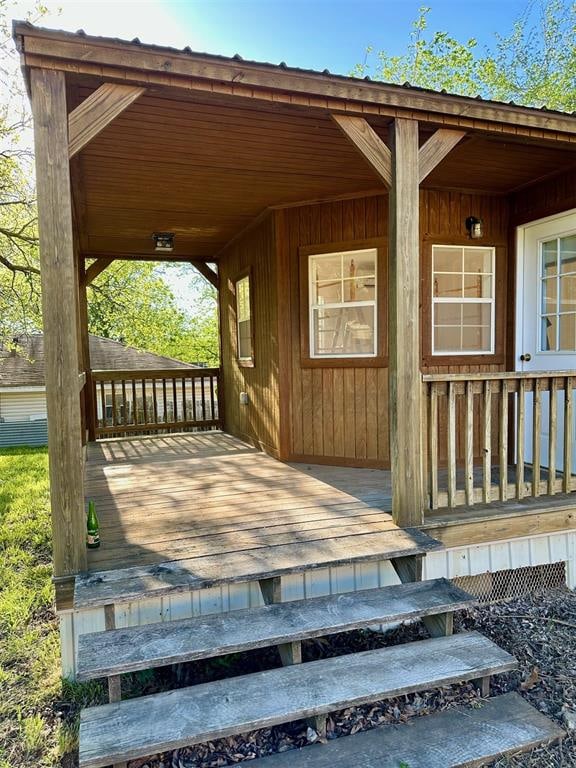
(25,269)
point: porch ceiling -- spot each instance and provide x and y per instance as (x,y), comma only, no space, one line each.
(205,167)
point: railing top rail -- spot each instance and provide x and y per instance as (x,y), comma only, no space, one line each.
(157,373)
(445,377)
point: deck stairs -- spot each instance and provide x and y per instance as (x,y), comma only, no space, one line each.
(123,730)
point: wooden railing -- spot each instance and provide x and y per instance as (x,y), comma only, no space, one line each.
(498,436)
(154,401)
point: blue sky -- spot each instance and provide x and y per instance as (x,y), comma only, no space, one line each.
(317,34)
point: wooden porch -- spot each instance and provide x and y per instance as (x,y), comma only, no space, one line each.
(202,495)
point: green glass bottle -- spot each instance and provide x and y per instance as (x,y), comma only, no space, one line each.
(93,527)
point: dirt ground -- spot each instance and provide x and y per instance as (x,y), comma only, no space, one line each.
(540,631)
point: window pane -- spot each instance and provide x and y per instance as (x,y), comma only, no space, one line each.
(447,339)
(344,331)
(478,260)
(567,293)
(549,295)
(448,314)
(476,314)
(548,333)
(448,286)
(447,259)
(568,254)
(244,340)
(476,339)
(477,286)
(360,289)
(568,332)
(327,267)
(549,258)
(243,299)
(329,292)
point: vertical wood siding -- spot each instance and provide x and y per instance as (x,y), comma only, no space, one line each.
(340,414)
(550,196)
(258,421)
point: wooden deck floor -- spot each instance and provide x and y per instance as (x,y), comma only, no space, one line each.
(178,497)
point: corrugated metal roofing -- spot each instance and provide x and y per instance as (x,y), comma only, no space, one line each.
(281,66)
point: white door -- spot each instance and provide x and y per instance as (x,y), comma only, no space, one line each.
(546,314)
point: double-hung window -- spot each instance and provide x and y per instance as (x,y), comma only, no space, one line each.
(463,304)
(244,321)
(343,304)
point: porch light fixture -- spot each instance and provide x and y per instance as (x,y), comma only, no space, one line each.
(474,227)
(163,241)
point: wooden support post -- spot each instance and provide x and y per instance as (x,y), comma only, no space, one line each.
(271,589)
(59,290)
(89,399)
(409,569)
(483,685)
(404,402)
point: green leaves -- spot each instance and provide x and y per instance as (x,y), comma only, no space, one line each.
(534,65)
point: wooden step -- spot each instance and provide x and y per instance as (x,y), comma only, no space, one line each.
(456,738)
(139,727)
(102,654)
(125,584)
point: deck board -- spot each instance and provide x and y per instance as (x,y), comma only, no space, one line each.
(181,497)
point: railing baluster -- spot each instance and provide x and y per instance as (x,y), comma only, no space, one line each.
(174,402)
(536,437)
(144,403)
(487,451)
(134,403)
(520,428)
(113,390)
(503,436)
(567,483)
(154,401)
(451,444)
(184,404)
(165,401)
(202,384)
(433,445)
(124,404)
(212,399)
(552,436)
(469,445)
(103,402)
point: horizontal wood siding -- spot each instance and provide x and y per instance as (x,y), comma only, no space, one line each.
(339,415)
(546,198)
(20,406)
(258,421)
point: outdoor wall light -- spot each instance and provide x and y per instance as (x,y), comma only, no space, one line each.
(163,241)
(474,227)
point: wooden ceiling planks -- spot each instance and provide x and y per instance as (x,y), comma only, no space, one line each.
(204,169)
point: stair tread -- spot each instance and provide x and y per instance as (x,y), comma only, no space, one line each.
(457,738)
(125,584)
(140,727)
(144,647)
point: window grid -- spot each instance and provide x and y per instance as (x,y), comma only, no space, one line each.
(552,323)
(316,306)
(462,301)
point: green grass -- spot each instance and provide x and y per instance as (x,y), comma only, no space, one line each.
(30,686)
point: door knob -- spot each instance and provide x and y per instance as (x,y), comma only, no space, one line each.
(526,357)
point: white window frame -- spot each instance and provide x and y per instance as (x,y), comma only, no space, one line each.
(312,306)
(464,300)
(557,314)
(241,358)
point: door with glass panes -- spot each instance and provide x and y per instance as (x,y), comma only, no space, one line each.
(546,317)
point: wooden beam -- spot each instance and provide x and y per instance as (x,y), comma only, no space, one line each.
(97,111)
(405,386)
(368,143)
(435,150)
(207,272)
(95,269)
(59,309)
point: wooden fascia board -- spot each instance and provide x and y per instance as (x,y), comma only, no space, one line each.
(178,69)
(97,111)
(207,272)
